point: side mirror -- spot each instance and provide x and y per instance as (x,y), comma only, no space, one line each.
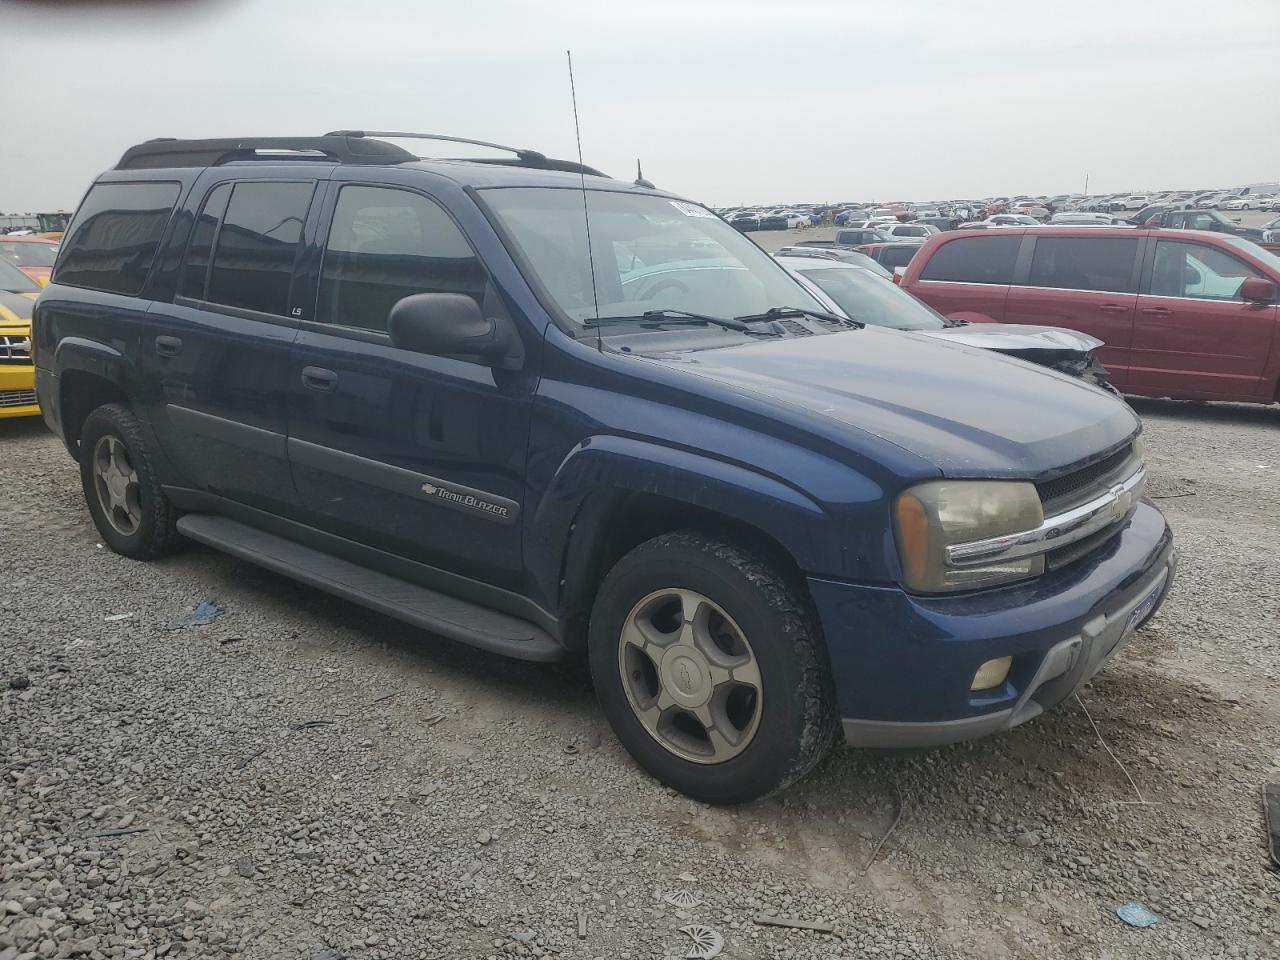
(453,325)
(1258,290)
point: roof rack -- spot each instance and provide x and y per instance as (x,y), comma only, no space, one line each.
(341,146)
(524,157)
(170,152)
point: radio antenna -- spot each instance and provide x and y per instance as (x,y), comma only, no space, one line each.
(586,217)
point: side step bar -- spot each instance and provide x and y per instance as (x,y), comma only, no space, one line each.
(432,611)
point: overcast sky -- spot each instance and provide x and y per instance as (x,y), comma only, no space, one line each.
(726,101)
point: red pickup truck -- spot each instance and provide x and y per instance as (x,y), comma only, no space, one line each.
(1183,313)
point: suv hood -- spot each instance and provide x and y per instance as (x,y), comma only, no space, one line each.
(1020,337)
(970,413)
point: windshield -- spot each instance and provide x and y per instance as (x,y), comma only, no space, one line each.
(28,254)
(649,253)
(14,280)
(871,299)
(1251,248)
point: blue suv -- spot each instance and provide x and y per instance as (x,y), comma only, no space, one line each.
(550,414)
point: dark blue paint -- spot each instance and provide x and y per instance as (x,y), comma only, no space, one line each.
(807,441)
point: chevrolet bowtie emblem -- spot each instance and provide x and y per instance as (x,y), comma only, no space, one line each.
(428,489)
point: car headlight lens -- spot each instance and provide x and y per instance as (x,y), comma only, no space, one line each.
(933,516)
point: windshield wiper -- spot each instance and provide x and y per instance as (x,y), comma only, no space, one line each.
(779,313)
(669,316)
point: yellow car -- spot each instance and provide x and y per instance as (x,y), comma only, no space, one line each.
(17,374)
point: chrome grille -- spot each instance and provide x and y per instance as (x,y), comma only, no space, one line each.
(14,349)
(17,398)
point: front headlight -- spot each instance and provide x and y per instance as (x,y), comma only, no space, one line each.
(933,516)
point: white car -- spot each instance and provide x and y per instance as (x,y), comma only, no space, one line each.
(910,231)
(1011,220)
(1251,202)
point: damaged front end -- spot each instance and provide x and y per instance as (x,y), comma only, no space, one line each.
(1087,367)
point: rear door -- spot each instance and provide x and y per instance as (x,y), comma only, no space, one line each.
(1194,337)
(417,455)
(218,355)
(969,277)
(1087,283)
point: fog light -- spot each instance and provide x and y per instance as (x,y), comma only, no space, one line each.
(992,673)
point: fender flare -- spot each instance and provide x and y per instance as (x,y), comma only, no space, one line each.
(560,534)
(100,359)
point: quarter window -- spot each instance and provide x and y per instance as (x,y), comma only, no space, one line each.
(113,241)
(1084,263)
(387,244)
(1197,270)
(258,244)
(974,260)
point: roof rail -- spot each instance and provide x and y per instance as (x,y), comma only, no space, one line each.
(524,157)
(341,146)
(170,152)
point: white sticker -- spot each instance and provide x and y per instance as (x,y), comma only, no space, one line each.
(691,209)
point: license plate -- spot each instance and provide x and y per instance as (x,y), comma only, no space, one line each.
(1144,607)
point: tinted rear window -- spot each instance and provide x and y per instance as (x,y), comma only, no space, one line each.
(113,240)
(987,259)
(258,244)
(898,256)
(1084,263)
(195,269)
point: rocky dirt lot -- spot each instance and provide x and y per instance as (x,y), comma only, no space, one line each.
(301,778)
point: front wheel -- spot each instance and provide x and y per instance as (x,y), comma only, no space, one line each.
(710,667)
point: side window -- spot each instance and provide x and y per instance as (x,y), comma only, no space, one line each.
(113,240)
(1084,263)
(899,256)
(1197,270)
(1201,221)
(974,260)
(258,244)
(195,269)
(384,245)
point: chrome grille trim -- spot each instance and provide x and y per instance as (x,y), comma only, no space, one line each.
(15,349)
(1057,531)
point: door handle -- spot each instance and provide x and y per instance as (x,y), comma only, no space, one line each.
(1157,311)
(318,378)
(168,346)
(1113,308)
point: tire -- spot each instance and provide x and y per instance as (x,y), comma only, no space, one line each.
(133,516)
(778,729)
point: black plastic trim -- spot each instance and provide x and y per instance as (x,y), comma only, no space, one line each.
(237,434)
(408,483)
(476,591)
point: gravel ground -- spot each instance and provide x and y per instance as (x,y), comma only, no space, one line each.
(302,778)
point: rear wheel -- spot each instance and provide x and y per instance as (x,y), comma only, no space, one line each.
(709,665)
(121,488)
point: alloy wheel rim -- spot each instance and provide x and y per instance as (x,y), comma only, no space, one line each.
(116,483)
(690,675)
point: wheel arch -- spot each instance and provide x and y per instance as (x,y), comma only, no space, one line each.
(90,374)
(612,494)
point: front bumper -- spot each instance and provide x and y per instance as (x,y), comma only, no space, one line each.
(903,664)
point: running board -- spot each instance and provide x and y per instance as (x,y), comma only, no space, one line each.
(434,612)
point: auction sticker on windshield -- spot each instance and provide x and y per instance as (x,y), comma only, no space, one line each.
(692,209)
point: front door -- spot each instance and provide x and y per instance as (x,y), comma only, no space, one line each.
(419,456)
(1087,284)
(218,355)
(1194,337)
